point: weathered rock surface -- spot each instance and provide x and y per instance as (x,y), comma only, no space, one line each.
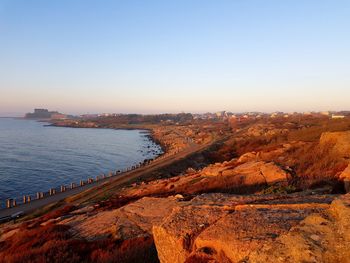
(226,228)
(250,227)
(241,177)
(321,237)
(174,238)
(248,157)
(219,227)
(216,227)
(130,221)
(8,234)
(259,173)
(137,219)
(339,140)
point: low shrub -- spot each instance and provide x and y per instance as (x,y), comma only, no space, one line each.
(54,243)
(314,164)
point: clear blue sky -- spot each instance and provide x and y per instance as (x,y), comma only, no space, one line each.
(80,56)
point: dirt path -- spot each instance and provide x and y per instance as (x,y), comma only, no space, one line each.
(91,191)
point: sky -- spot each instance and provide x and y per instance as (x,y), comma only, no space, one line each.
(89,56)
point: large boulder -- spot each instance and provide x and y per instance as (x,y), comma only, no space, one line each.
(249,228)
(320,237)
(339,141)
(174,237)
(248,173)
(228,228)
(255,173)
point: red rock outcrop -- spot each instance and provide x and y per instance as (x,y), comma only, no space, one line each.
(300,227)
(174,238)
(258,173)
(226,228)
(133,220)
(233,176)
(320,237)
(339,140)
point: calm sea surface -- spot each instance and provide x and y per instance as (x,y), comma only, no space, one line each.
(34,158)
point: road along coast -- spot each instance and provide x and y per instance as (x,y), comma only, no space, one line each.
(175,144)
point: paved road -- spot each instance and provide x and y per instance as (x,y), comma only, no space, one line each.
(97,188)
(159,163)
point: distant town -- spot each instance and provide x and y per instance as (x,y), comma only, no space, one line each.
(221,115)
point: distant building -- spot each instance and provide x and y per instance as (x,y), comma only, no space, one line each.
(107,115)
(39,113)
(338,116)
(43,114)
(220,114)
(88,116)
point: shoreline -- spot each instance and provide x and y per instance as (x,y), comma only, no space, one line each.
(91,190)
(173,141)
(144,132)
